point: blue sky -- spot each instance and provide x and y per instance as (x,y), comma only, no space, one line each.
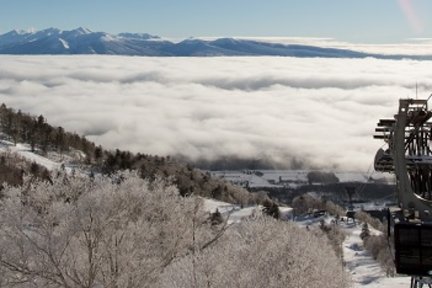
(373,21)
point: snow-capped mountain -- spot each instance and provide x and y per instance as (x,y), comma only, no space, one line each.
(84,41)
(78,41)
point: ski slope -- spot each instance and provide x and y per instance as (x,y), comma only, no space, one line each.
(57,162)
(24,150)
(365,271)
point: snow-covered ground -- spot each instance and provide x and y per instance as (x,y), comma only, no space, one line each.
(53,161)
(236,213)
(24,150)
(365,271)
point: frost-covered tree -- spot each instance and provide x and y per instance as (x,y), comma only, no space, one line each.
(335,235)
(92,233)
(261,252)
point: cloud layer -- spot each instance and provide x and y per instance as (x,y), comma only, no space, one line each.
(322,111)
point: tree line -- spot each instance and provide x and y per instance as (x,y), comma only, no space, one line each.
(25,128)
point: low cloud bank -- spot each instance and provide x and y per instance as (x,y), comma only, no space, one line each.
(321,112)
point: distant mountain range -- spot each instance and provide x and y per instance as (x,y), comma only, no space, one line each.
(83,41)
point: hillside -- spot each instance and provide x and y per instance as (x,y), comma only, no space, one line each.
(29,145)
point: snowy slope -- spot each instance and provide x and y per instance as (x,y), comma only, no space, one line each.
(24,150)
(365,271)
(236,213)
(55,163)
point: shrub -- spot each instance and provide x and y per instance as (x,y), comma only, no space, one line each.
(366,218)
(378,246)
(335,236)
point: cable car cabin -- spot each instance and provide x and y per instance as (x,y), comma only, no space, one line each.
(413,248)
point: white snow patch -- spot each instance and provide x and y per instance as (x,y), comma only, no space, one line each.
(211,205)
(64,43)
(24,150)
(4,145)
(286,213)
(53,161)
(236,213)
(109,38)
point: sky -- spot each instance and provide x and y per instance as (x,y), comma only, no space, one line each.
(365,21)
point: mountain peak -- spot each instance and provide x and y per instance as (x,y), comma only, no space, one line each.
(50,29)
(18,32)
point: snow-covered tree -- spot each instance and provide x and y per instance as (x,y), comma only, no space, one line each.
(83,233)
(261,252)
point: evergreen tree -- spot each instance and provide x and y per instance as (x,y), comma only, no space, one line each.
(216,218)
(98,153)
(271,209)
(365,232)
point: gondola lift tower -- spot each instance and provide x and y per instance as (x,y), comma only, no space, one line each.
(408,154)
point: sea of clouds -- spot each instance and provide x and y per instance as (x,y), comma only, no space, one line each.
(319,111)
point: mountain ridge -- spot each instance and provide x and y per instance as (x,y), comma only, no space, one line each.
(53,41)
